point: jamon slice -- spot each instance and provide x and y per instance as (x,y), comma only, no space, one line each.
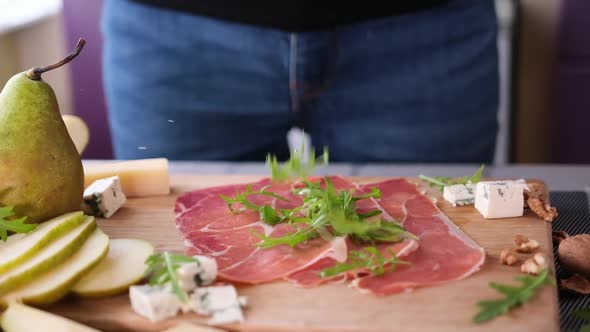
(310,276)
(269,264)
(209,228)
(445,253)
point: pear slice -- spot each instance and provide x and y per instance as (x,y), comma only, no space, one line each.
(123,267)
(55,253)
(57,282)
(19,317)
(78,130)
(21,247)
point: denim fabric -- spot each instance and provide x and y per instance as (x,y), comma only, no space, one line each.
(415,88)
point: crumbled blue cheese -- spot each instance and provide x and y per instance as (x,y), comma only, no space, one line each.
(499,199)
(104,197)
(195,274)
(460,194)
(220,302)
(155,303)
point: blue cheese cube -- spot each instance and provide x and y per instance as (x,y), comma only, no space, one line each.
(220,302)
(227,316)
(499,199)
(196,274)
(460,194)
(104,197)
(155,303)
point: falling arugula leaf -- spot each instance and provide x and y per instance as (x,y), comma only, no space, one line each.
(443,181)
(16,226)
(514,296)
(296,167)
(585,315)
(162,270)
(369,258)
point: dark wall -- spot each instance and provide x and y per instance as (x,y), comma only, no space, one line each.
(573,84)
(82,21)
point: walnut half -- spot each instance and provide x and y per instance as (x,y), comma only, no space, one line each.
(508,257)
(534,265)
(542,209)
(524,244)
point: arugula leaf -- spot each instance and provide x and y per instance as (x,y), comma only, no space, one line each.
(162,270)
(269,215)
(292,239)
(296,166)
(16,226)
(326,208)
(514,296)
(369,258)
(242,198)
(443,181)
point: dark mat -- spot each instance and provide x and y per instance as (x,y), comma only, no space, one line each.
(574,218)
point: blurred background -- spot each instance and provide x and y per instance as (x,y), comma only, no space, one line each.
(544,72)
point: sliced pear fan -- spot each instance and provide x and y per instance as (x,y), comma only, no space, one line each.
(20,247)
(53,254)
(54,284)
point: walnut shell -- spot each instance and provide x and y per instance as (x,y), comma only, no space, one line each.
(574,254)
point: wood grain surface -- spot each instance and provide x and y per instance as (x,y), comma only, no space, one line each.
(282,306)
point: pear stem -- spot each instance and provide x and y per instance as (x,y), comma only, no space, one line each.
(35,73)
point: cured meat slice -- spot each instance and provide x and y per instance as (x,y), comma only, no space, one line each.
(310,276)
(442,254)
(209,228)
(445,253)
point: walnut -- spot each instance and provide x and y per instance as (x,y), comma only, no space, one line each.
(558,236)
(540,260)
(576,283)
(508,257)
(536,190)
(574,254)
(524,244)
(520,239)
(534,265)
(542,209)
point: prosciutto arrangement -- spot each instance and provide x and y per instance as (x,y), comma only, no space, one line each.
(436,252)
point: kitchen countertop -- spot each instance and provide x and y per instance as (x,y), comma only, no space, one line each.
(558,177)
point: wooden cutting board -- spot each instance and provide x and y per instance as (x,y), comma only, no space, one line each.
(282,306)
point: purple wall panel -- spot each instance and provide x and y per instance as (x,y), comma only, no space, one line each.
(82,21)
(573,84)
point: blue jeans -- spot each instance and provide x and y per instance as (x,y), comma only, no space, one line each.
(415,88)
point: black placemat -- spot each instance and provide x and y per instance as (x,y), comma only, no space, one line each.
(574,218)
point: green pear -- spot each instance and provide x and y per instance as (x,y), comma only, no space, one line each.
(20,318)
(40,168)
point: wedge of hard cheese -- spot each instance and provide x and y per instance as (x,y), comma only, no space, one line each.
(139,178)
